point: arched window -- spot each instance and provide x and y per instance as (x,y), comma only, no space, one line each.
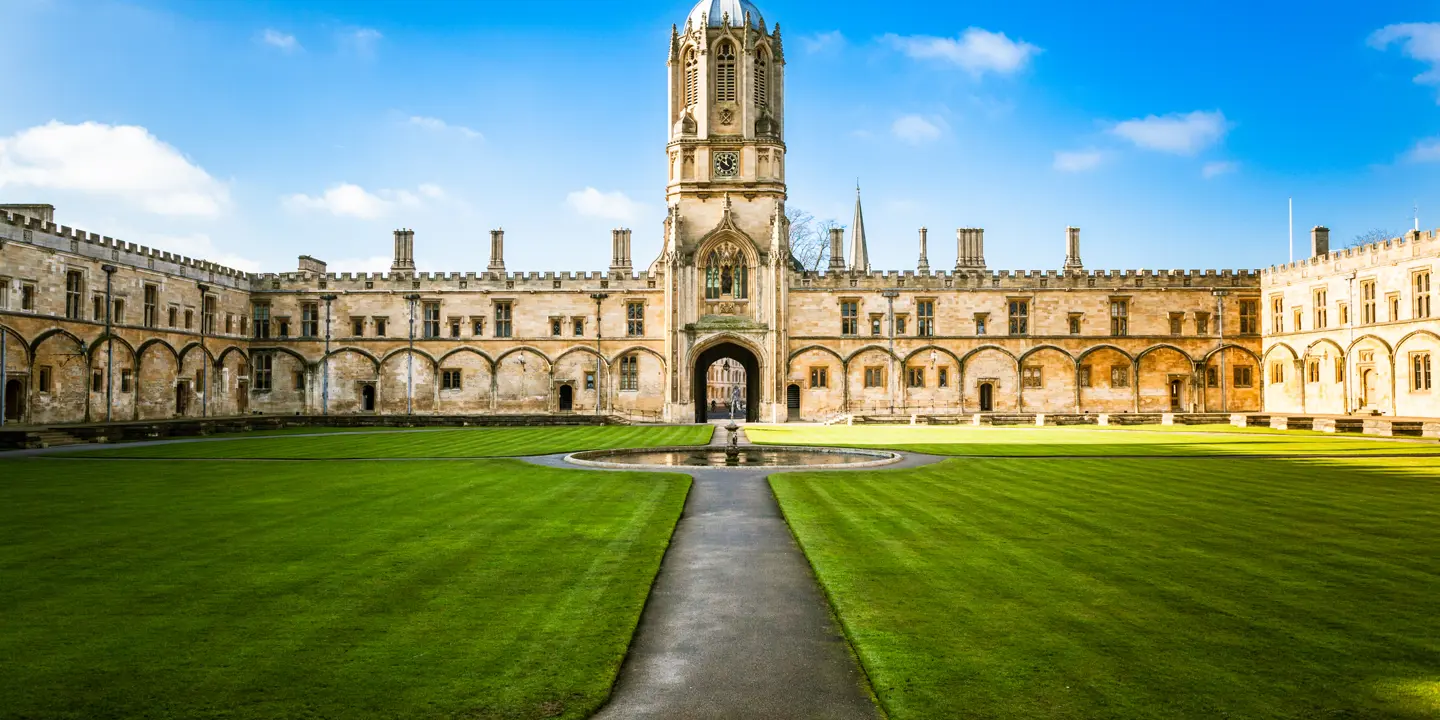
(692,77)
(725,72)
(726,275)
(712,277)
(762,67)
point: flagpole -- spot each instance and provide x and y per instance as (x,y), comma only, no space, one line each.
(1292,229)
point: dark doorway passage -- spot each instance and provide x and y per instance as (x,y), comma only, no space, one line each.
(987,397)
(182,397)
(14,400)
(567,398)
(792,402)
(242,397)
(1176,395)
(367,397)
(749,396)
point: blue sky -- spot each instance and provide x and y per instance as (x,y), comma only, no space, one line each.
(251,132)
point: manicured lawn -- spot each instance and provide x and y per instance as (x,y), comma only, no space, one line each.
(1133,588)
(1076,440)
(462,443)
(208,589)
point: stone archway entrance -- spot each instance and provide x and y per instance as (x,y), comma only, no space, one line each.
(14,400)
(567,398)
(700,387)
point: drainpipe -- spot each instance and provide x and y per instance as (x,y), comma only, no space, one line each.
(600,360)
(410,360)
(890,296)
(204,318)
(1220,329)
(325,368)
(4,384)
(109,340)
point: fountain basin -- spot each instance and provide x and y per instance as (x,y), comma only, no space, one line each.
(748,456)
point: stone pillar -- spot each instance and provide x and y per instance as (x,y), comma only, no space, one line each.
(404,251)
(837,248)
(497,251)
(924,265)
(620,250)
(1072,249)
(1319,241)
(970,249)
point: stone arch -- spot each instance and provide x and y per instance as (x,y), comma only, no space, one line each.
(97,344)
(932,346)
(1407,400)
(230,365)
(16,346)
(1326,341)
(519,386)
(635,349)
(1231,346)
(111,400)
(1401,342)
(1100,388)
(407,387)
(1224,394)
(713,350)
(52,332)
(157,365)
(821,348)
(1375,382)
(65,363)
(350,350)
(224,354)
(1363,338)
(1162,386)
(1163,346)
(819,402)
(987,347)
(1057,382)
(475,373)
(525,349)
(403,350)
(871,348)
(1279,345)
(1087,352)
(996,367)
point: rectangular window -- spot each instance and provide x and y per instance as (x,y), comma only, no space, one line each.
(1019,317)
(380,324)
(124,381)
(117,311)
(635,319)
(1244,376)
(74,284)
(189,319)
(1299,320)
(207,315)
(980,319)
(502,319)
(357,327)
(1420,370)
(1202,323)
(477,327)
(1074,320)
(1344,313)
(1322,309)
(1119,376)
(4,293)
(152,305)
(900,324)
(915,377)
(942,377)
(264,363)
(172,317)
(454,327)
(877,324)
(1313,370)
(630,372)
(589,379)
(449,379)
(819,377)
(1249,317)
(849,317)
(1030,377)
(97,308)
(97,381)
(1339,369)
(875,376)
(1212,377)
(1367,301)
(431,317)
(555,327)
(300,380)
(1277,315)
(309,320)
(1277,372)
(262,321)
(925,318)
(44,379)
(1177,322)
(1421,283)
(282,325)
(1393,301)
(1119,318)
(1085,376)
(577,327)
(27,297)
(244,324)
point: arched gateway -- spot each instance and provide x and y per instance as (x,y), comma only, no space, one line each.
(739,354)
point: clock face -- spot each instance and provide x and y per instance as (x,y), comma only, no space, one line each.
(727,164)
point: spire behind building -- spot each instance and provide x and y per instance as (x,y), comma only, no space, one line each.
(859,255)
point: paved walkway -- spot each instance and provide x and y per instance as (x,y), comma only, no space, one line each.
(736,625)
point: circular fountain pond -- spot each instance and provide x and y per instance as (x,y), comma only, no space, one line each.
(745,456)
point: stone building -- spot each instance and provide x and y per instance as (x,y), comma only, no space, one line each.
(725,379)
(95,328)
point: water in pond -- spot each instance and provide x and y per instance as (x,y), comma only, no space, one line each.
(746,456)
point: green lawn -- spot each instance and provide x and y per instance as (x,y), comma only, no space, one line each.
(458,443)
(210,589)
(1132,587)
(1080,440)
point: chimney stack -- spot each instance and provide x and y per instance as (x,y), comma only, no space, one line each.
(970,249)
(404,251)
(924,265)
(1072,249)
(497,251)
(311,265)
(1319,241)
(837,248)
(620,250)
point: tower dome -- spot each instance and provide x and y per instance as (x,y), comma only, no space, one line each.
(710,13)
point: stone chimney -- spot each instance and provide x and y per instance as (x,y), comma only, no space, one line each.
(43,213)
(497,251)
(404,251)
(970,249)
(1072,249)
(1319,241)
(620,250)
(924,265)
(311,265)
(837,248)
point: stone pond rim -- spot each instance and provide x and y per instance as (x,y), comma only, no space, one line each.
(768,457)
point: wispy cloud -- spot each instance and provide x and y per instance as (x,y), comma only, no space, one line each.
(285,41)
(436,125)
(820,42)
(361,40)
(372,264)
(1425,151)
(918,129)
(1217,168)
(977,50)
(120,161)
(1180,134)
(198,245)
(1418,41)
(351,200)
(607,205)
(1077,161)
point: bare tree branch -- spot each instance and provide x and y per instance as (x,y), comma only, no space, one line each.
(1371,236)
(809,240)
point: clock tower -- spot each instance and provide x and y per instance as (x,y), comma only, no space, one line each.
(726,256)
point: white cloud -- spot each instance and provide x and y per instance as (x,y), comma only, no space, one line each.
(820,42)
(373,264)
(436,125)
(1418,41)
(1425,151)
(1217,168)
(918,130)
(351,200)
(284,41)
(1181,134)
(122,161)
(976,50)
(199,247)
(1074,161)
(610,206)
(362,40)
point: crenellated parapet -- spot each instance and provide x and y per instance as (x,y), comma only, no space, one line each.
(532,281)
(1027,279)
(1413,244)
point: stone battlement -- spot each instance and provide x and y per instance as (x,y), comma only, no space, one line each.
(1382,252)
(522,280)
(1032,279)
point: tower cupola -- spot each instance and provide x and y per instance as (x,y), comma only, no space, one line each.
(713,13)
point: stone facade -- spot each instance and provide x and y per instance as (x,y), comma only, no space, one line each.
(190,338)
